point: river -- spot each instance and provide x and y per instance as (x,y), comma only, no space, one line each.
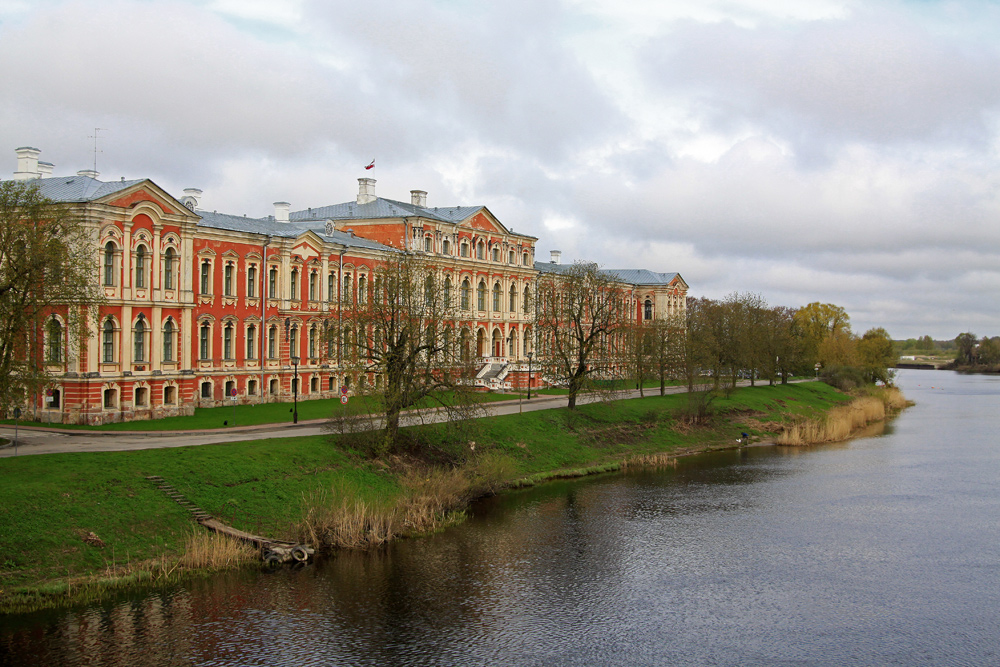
(881,551)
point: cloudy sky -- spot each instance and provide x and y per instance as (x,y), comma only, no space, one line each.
(806,150)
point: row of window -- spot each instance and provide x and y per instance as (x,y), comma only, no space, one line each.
(464,250)
(140,266)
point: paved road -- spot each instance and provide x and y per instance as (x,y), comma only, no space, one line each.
(49,441)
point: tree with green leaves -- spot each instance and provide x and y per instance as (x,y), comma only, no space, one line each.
(49,291)
(966,344)
(877,355)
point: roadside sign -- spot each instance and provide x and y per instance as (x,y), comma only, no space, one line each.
(232,393)
(343,390)
(48,392)
(343,399)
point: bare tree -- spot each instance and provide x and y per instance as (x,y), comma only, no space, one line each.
(402,335)
(49,291)
(580,314)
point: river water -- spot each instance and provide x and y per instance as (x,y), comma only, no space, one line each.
(881,551)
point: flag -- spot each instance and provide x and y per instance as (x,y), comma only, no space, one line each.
(372,165)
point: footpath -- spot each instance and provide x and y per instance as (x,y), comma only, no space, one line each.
(36,439)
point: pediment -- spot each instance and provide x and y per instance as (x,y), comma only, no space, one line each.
(149,193)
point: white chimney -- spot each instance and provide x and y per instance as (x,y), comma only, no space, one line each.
(191,198)
(88,173)
(45,169)
(27,163)
(555,255)
(366,190)
(281,211)
(418,198)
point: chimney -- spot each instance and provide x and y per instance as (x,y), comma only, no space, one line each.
(45,169)
(366,190)
(555,255)
(191,198)
(88,173)
(418,198)
(281,211)
(27,163)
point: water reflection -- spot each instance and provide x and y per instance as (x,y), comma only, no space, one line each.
(884,550)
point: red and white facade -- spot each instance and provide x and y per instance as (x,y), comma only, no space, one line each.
(203,306)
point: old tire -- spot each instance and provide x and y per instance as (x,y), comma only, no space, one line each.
(300,554)
(272,559)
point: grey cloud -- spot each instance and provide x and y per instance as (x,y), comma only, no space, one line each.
(876,77)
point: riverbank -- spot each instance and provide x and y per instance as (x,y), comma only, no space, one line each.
(75,525)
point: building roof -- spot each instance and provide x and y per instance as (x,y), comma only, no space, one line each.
(627,276)
(269,227)
(383,208)
(79,188)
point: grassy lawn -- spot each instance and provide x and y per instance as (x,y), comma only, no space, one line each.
(48,503)
(249,415)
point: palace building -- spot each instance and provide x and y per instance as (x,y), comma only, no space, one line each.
(204,308)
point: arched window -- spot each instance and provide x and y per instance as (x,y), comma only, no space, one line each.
(312,342)
(647,310)
(294,286)
(428,292)
(362,289)
(168,340)
(525,300)
(272,282)
(206,277)
(480,250)
(481,296)
(203,338)
(513,299)
(464,249)
(55,341)
(108,341)
(168,269)
(227,341)
(272,342)
(465,294)
(496,254)
(496,297)
(251,341)
(140,266)
(446,247)
(510,257)
(252,281)
(313,285)
(293,342)
(109,263)
(331,286)
(139,340)
(447,292)
(524,259)
(347,288)
(227,279)
(428,243)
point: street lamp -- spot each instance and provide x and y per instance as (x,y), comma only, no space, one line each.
(529,376)
(295,391)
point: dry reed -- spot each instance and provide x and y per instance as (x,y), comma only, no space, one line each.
(654,460)
(204,550)
(842,421)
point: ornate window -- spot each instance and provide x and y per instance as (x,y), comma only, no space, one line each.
(647,310)
(206,277)
(109,263)
(481,295)
(331,286)
(447,292)
(464,249)
(272,282)
(428,243)
(312,342)
(513,298)
(526,300)
(251,341)
(108,341)
(204,333)
(227,341)
(510,257)
(272,342)
(55,354)
(227,279)
(293,292)
(168,268)
(480,250)
(465,294)
(313,285)
(168,340)
(140,266)
(252,281)
(496,254)
(446,247)
(139,342)
(496,297)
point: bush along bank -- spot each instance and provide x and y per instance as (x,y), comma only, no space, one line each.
(79,526)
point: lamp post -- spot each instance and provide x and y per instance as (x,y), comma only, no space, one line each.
(295,391)
(529,376)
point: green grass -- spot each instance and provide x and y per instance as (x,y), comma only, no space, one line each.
(49,502)
(250,415)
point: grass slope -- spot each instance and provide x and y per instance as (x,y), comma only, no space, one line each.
(49,503)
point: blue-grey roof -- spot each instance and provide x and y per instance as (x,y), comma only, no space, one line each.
(627,276)
(641,276)
(79,188)
(269,227)
(383,208)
